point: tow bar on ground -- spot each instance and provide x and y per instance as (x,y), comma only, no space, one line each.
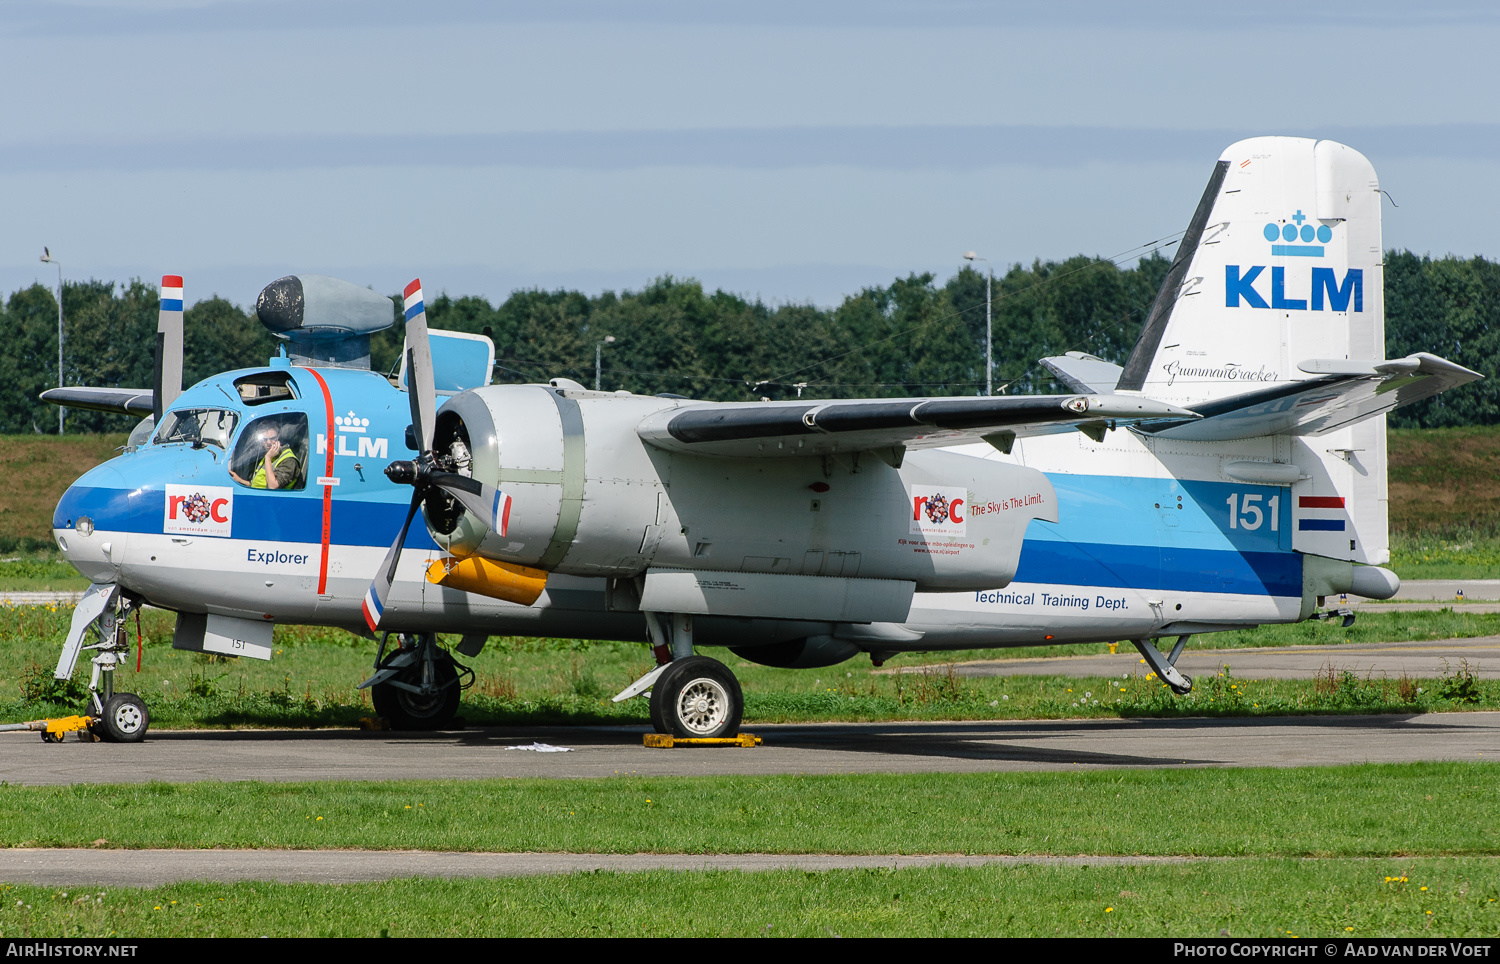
(53,731)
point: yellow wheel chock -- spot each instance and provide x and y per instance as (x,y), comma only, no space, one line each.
(666,741)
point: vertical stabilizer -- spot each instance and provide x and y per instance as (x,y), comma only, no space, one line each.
(168,383)
(1282,267)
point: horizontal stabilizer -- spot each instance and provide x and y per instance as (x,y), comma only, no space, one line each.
(1342,393)
(1084,373)
(119,401)
(771,429)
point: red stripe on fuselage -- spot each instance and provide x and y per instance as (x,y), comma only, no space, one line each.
(327,489)
(1320,502)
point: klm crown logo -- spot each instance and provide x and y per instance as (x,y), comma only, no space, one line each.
(1294,230)
(351,423)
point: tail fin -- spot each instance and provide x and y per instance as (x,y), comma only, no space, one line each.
(1281,263)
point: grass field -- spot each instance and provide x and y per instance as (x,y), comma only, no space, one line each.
(1327,898)
(1339,851)
(1348,898)
(1369,810)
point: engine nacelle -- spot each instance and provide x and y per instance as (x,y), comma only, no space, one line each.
(812,652)
(590,498)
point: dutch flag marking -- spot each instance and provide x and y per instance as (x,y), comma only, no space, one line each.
(1335,502)
(171,292)
(413,301)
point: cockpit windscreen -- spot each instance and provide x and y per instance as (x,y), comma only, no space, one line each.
(199,426)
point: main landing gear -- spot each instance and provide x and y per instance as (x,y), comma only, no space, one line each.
(697,697)
(1165,666)
(416,686)
(691,696)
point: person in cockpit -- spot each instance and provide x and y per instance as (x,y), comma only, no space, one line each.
(278,465)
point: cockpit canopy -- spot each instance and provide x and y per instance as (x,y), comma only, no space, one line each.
(198,426)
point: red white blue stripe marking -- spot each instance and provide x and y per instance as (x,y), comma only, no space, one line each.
(372,609)
(1328,504)
(171,292)
(413,294)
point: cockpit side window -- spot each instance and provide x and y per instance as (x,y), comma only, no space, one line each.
(272,453)
(199,426)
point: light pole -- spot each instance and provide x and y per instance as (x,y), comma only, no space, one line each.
(599,358)
(989,341)
(48,259)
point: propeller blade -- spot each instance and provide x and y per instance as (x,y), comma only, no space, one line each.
(488,504)
(380,586)
(419,378)
(168,375)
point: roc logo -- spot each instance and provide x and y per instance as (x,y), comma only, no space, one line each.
(939,510)
(1295,231)
(199,510)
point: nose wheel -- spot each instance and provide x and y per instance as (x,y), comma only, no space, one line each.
(124,720)
(416,686)
(697,697)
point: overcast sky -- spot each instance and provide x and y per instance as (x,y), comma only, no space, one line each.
(792,151)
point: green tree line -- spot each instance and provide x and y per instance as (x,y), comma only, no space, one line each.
(913,337)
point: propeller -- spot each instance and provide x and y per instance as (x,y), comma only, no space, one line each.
(428,471)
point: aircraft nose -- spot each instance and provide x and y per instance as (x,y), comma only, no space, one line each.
(89,524)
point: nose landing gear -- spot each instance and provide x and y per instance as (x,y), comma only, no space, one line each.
(417,686)
(116,717)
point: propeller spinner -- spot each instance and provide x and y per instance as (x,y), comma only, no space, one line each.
(429,472)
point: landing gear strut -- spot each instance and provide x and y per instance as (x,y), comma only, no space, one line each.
(1165,667)
(417,686)
(691,696)
(117,717)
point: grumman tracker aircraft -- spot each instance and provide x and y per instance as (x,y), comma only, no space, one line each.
(1232,473)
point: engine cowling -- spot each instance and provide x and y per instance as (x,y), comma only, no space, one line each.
(589,497)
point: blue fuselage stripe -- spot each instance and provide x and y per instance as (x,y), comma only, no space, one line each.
(273,518)
(1160,568)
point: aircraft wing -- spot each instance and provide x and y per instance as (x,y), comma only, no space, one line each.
(120,401)
(771,429)
(1340,393)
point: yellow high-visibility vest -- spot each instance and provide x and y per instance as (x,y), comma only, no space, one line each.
(258,480)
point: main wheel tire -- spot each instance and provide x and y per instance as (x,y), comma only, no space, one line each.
(658,716)
(125,720)
(405,710)
(1183,690)
(698,697)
